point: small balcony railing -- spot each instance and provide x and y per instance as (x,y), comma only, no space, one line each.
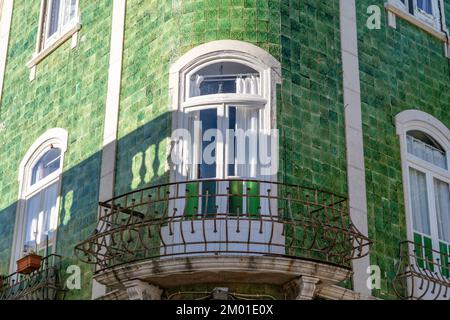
(42,284)
(223,217)
(423,273)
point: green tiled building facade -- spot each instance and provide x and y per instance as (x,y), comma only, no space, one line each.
(347,96)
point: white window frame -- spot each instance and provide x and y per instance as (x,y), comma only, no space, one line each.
(61,29)
(433,20)
(223,51)
(411,120)
(53,138)
(44,45)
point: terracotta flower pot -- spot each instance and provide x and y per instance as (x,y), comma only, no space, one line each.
(29,263)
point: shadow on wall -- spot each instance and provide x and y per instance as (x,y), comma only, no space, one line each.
(141,161)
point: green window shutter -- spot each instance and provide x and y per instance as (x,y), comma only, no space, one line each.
(253,202)
(209,198)
(443,249)
(428,253)
(419,250)
(235,199)
(191,208)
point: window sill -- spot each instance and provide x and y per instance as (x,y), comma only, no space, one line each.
(395,11)
(39,56)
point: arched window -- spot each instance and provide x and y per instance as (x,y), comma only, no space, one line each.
(224,93)
(39,178)
(425,155)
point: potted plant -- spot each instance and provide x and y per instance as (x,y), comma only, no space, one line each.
(29,263)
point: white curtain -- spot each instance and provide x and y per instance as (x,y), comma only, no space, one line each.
(442,197)
(248,85)
(41,217)
(247,123)
(49,209)
(195,86)
(54,17)
(419,201)
(33,222)
(70,11)
(426,152)
(425,5)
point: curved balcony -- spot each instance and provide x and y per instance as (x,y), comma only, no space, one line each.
(223,226)
(423,273)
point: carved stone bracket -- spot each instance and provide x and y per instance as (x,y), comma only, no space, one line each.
(303,288)
(141,290)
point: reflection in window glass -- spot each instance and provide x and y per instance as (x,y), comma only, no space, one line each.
(47,164)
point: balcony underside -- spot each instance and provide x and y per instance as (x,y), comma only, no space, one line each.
(174,272)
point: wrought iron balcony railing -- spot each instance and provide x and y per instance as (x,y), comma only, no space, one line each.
(423,273)
(223,217)
(42,284)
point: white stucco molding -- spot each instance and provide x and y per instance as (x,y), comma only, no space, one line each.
(356,179)
(418,120)
(214,50)
(112,105)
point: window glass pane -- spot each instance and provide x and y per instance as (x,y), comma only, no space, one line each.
(225,77)
(423,147)
(33,223)
(53,19)
(442,197)
(243,142)
(51,196)
(425,5)
(231,139)
(70,10)
(247,142)
(419,202)
(49,163)
(41,218)
(207,169)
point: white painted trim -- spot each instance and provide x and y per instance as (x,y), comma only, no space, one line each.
(41,55)
(401,13)
(45,47)
(354,136)
(418,120)
(5,27)
(56,134)
(216,50)
(107,175)
(58,137)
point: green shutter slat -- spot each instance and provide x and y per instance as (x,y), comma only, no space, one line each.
(191,199)
(209,198)
(419,250)
(429,253)
(444,259)
(253,199)
(235,198)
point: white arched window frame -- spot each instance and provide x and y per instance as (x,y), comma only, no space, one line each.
(223,51)
(52,139)
(431,174)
